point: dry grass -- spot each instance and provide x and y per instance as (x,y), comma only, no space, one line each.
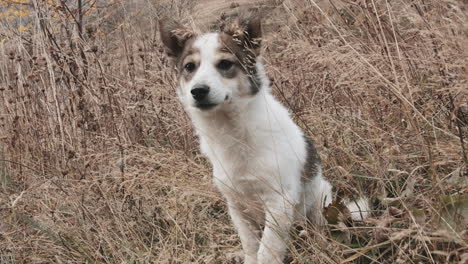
(98,162)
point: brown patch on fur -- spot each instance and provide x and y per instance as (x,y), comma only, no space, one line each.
(229,51)
(312,162)
(229,74)
(245,59)
(242,37)
(189,54)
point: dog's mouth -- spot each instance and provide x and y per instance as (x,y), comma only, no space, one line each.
(205,106)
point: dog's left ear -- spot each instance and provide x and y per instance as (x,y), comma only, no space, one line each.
(247,31)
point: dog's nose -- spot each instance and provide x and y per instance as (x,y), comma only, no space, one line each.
(199,92)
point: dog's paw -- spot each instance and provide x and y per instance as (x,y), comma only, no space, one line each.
(235,257)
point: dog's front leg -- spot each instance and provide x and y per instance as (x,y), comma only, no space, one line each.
(279,214)
(247,229)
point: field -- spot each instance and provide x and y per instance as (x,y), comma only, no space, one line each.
(99,163)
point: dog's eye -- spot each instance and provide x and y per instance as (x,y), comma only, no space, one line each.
(225,65)
(190,67)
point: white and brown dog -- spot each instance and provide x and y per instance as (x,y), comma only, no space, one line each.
(268,171)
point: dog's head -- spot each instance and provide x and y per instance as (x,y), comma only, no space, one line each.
(215,68)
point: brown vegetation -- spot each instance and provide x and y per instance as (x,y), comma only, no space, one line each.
(98,162)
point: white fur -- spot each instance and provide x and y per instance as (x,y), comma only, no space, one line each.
(258,155)
(359,209)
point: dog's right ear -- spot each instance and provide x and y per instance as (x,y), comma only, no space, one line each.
(174,36)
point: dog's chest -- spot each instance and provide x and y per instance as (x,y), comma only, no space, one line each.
(240,163)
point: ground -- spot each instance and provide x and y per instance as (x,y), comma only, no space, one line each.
(99,164)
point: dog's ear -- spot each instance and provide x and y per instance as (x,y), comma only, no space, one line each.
(246,30)
(174,36)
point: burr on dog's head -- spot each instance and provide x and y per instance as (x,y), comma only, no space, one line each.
(215,69)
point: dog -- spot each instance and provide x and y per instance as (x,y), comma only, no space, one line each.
(268,171)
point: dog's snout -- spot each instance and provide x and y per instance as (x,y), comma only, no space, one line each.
(199,92)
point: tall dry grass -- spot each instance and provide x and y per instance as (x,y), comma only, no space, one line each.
(98,162)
